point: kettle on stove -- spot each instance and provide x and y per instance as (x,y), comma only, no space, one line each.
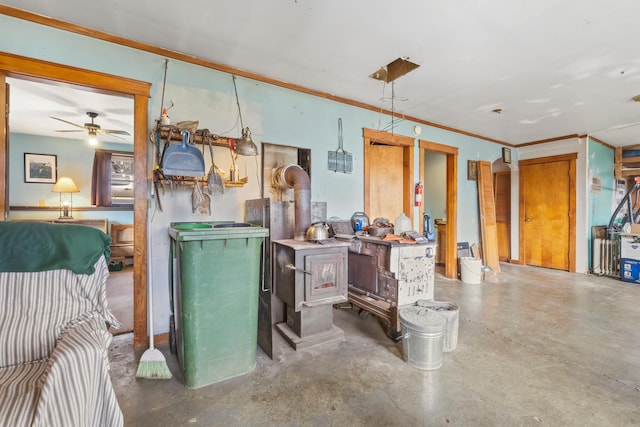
(318,231)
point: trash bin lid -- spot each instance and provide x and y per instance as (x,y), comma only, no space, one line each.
(192,231)
(422,319)
(440,306)
(191,226)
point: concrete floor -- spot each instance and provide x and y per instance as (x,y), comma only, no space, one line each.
(537,347)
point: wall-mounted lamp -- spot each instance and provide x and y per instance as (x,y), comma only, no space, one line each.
(65,185)
(245,145)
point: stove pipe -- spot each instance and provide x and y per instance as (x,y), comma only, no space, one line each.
(296,177)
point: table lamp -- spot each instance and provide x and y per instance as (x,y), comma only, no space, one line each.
(66,185)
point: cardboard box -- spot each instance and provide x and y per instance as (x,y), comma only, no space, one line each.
(630,270)
(635,228)
(630,246)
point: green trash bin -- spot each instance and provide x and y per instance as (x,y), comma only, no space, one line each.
(215,302)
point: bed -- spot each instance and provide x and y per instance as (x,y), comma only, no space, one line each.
(54,366)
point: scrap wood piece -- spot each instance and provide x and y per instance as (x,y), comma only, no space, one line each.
(475,251)
(391,236)
(487,205)
(408,241)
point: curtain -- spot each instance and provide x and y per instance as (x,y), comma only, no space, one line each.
(101,179)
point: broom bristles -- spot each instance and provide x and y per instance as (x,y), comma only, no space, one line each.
(153,365)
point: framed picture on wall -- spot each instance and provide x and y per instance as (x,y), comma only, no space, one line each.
(472,170)
(40,168)
(506,155)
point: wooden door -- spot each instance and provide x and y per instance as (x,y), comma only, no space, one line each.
(386,182)
(502,190)
(547,224)
(388,175)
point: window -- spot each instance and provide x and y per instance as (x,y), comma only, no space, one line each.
(122,178)
(112,179)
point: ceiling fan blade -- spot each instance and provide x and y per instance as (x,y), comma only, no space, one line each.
(65,121)
(113,135)
(112,131)
(74,130)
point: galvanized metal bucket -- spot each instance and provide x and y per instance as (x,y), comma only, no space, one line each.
(451,312)
(422,337)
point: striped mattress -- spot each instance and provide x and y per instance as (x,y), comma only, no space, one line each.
(54,367)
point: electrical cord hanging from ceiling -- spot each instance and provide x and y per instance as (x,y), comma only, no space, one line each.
(393,122)
(237,101)
(258,178)
(164,83)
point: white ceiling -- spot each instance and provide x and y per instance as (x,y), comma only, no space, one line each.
(32,104)
(554,67)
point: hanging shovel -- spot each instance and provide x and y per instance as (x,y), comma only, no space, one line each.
(215,184)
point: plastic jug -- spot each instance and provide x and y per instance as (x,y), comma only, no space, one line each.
(402,224)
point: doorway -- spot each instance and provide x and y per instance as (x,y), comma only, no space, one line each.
(29,68)
(547,211)
(448,244)
(388,175)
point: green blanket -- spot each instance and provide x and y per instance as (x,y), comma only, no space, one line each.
(39,246)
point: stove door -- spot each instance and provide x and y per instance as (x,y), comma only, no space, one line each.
(325,276)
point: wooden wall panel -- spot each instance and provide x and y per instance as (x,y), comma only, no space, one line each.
(488,224)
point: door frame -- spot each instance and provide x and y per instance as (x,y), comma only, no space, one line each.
(370,137)
(29,68)
(571,158)
(451,256)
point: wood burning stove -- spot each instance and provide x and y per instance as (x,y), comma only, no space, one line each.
(384,275)
(309,278)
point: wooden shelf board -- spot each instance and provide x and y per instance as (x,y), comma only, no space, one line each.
(216,140)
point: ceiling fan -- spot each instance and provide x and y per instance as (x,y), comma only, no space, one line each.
(92,128)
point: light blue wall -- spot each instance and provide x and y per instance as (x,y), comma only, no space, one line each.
(275,115)
(601,206)
(435,185)
(74,159)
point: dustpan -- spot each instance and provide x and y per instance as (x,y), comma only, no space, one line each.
(340,160)
(183,159)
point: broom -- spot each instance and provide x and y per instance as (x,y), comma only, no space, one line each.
(152,363)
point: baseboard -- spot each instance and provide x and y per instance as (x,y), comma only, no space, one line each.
(157,339)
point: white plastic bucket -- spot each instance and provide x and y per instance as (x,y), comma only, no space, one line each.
(423,337)
(471,270)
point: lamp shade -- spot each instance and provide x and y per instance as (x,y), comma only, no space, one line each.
(65,185)
(245,145)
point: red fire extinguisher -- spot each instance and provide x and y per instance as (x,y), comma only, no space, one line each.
(419,191)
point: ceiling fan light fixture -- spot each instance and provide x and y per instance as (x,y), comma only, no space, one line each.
(92,128)
(93,137)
